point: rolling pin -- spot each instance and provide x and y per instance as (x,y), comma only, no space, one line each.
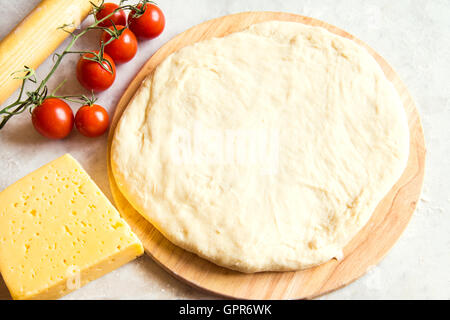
(36,37)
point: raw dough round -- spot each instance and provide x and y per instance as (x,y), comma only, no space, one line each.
(267,149)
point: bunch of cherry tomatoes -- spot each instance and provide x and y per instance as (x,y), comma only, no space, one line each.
(54,118)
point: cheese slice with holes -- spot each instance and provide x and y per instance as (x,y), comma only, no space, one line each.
(58,232)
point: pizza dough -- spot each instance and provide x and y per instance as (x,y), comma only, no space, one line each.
(267,149)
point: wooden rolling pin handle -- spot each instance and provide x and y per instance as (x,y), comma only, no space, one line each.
(36,37)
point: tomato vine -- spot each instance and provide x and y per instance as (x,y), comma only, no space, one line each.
(30,99)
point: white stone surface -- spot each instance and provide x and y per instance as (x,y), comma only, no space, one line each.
(413,36)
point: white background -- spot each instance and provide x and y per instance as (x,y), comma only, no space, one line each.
(412,35)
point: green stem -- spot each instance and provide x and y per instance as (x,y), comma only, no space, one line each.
(18,110)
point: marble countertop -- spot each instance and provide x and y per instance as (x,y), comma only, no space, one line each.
(413,36)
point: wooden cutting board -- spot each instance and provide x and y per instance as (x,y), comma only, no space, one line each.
(365,250)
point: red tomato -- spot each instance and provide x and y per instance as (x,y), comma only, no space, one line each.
(53,118)
(92,76)
(122,49)
(92,121)
(119,17)
(150,24)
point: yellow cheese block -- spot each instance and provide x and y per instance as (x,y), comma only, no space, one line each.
(36,37)
(58,232)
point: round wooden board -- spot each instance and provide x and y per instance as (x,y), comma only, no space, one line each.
(365,250)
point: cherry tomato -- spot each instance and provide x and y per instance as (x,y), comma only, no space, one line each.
(53,118)
(92,76)
(150,24)
(122,49)
(119,17)
(92,121)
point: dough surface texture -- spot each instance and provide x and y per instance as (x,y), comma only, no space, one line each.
(334,141)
